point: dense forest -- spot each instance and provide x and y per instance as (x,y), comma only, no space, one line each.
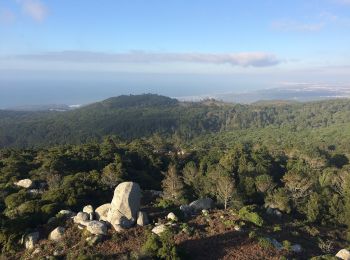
(143,115)
(293,158)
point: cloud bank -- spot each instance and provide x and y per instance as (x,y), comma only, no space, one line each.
(244,59)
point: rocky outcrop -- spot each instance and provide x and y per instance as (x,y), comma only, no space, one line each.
(125,205)
(97,227)
(142,219)
(57,234)
(343,254)
(101,212)
(25,183)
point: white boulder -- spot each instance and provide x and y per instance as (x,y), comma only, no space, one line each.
(159,229)
(57,234)
(343,254)
(25,183)
(171,216)
(142,219)
(97,227)
(101,212)
(125,205)
(89,210)
(82,218)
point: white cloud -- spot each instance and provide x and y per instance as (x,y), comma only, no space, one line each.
(34,8)
(246,59)
(7,16)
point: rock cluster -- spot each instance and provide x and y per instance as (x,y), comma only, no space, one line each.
(123,212)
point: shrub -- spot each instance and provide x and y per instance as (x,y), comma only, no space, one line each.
(247,213)
(287,245)
(162,246)
(15,199)
(252,234)
(264,242)
(277,228)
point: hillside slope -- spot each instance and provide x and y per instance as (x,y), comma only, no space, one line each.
(143,115)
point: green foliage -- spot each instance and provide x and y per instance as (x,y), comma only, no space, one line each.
(248,213)
(252,234)
(287,245)
(162,246)
(279,199)
(265,242)
(313,208)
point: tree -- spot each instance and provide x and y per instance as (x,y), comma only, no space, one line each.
(313,207)
(264,183)
(224,187)
(173,187)
(113,173)
(278,199)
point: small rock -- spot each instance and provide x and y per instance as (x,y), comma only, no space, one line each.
(142,219)
(89,210)
(66,212)
(82,218)
(25,183)
(205,212)
(171,216)
(101,212)
(298,249)
(97,227)
(51,220)
(57,234)
(237,228)
(159,229)
(31,239)
(343,254)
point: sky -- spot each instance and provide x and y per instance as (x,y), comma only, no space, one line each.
(81,50)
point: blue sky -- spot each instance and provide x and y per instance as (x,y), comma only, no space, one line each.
(247,44)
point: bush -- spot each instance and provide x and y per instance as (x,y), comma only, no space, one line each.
(287,245)
(162,246)
(277,228)
(252,234)
(265,242)
(15,199)
(247,213)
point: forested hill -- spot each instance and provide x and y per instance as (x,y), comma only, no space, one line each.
(137,116)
